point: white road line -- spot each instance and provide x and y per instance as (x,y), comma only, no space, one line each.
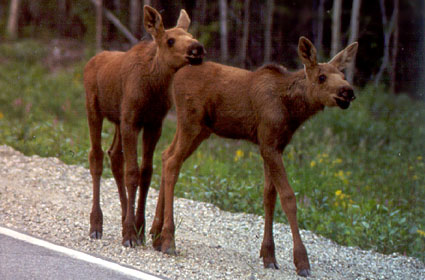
(78,255)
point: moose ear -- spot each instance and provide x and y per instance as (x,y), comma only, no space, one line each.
(307,52)
(153,22)
(184,20)
(344,57)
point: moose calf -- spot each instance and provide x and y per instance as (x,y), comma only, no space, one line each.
(265,107)
(131,89)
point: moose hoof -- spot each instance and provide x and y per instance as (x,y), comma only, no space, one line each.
(130,243)
(170,251)
(156,242)
(96,234)
(169,248)
(271,265)
(304,272)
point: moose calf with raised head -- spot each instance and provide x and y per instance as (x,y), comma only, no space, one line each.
(265,107)
(131,89)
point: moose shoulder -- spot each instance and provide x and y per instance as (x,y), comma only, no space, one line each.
(264,107)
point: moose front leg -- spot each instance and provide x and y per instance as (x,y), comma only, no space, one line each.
(184,143)
(158,220)
(267,251)
(131,179)
(273,161)
(150,139)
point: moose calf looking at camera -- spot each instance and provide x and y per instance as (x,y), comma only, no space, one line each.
(264,107)
(131,89)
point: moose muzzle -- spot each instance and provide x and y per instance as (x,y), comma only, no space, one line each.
(195,53)
(345,96)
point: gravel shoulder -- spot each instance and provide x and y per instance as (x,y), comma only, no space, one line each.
(51,200)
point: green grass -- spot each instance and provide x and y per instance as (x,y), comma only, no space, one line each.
(359,174)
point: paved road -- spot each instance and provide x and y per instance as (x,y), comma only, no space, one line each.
(24,257)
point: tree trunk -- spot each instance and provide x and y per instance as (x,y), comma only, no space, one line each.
(135,17)
(12,23)
(354,34)
(320,20)
(199,13)
(204,11)
(99,25)
(336,27)
(61,19)
(224,47)
(394,50)
(245,35)
(388,28)
(268,30)
(115,21)
(117,6)
(420,91)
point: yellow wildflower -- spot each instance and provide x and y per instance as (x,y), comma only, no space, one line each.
(419,158)
(239,154)
(312,163)
(1,115)
(421,232)
(291,155)
(338,192)
(325,155)
(339,174)
(337,161)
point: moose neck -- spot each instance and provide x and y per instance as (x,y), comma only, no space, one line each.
(298,99)
(159,69)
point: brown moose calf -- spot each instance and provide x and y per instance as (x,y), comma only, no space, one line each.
(131,89)
(264,107)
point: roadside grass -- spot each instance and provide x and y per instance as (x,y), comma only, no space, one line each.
(358,174)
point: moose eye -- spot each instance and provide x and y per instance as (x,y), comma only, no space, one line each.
(170,42)
(322,78)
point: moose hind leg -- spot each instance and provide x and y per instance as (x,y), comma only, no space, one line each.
(117,165)
(96,168)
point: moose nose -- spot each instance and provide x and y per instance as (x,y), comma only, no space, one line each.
(347,93)
(196,49)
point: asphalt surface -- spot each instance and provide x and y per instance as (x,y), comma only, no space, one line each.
(22,259)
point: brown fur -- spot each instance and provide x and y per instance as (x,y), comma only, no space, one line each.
(131,89)
(264,107)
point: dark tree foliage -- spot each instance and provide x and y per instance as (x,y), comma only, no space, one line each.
(291,19)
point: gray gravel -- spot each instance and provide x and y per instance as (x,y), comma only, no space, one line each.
(51,200)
